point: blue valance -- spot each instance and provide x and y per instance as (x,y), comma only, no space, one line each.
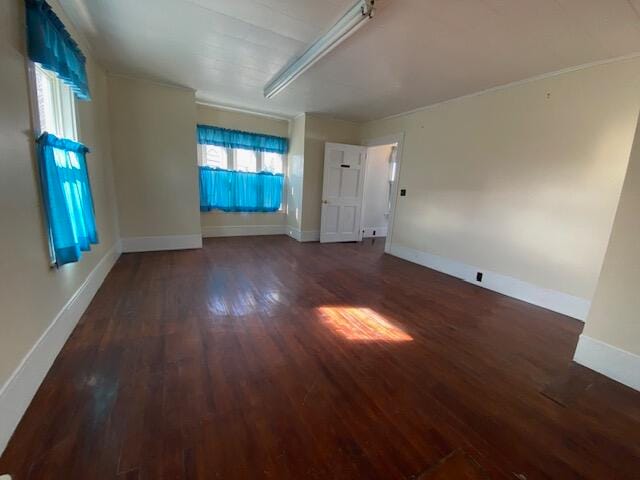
(50,45)
(232,191)
(67,198)
(222,137)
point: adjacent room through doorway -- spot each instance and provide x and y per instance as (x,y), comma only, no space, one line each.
(380,177)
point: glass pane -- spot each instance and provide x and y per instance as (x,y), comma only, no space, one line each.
(246,160)
(67,114)
(272,162)
(44,92)
(56,105)
(215,157)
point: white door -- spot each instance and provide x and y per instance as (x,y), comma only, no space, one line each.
(342,192)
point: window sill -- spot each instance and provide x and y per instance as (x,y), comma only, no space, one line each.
(279,212)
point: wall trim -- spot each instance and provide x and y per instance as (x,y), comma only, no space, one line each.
(303,235)
(554,300)
(16,394)
(161,242)
(242,230)
(608,360)
(367,232)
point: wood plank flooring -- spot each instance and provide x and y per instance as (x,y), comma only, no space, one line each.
(261,357)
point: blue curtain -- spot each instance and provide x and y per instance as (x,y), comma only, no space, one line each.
(67,197)
(50,45)
(232,191)
(221,137)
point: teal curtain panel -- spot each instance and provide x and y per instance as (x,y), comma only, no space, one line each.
(67,198)
(50,45)
(232,191)
(222,137)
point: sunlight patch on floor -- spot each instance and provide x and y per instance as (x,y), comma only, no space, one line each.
(361,324)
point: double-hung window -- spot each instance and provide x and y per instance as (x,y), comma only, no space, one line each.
(57,77)
(240,171)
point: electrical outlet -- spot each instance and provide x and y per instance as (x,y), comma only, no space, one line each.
(403,192)
(479,277)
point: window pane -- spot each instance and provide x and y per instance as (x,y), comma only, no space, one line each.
(215,157)
(56,105)
(44,92)
(272,162)
(246,160)
(67,113)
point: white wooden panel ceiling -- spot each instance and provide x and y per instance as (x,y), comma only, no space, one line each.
(414,53)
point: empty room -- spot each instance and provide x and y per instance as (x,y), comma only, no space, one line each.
(320,239)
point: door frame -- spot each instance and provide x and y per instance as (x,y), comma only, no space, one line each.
(397,138)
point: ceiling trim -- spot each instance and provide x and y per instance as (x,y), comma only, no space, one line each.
(149,80)
(230,108)
(535,78)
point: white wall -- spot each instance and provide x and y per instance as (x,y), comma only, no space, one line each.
(610,342)
(295,176)
(154,151)
(32,294)
(523,181)
(217,223)
(375,203)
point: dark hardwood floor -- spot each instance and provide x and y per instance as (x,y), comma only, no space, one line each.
(260,357)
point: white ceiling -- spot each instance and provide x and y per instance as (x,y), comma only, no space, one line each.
(414,53)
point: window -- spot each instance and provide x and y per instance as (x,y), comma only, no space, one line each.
(240,160)
(236,180)
(66,192)
(56,112)
(62,165)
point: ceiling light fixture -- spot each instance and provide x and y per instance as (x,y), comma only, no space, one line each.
(355,18)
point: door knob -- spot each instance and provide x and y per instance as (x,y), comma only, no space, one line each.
(325,201)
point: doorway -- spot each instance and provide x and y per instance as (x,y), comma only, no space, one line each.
(377,202)
(343,190)
(394,169)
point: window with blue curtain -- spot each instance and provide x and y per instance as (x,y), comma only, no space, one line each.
(59,78)
(232,188)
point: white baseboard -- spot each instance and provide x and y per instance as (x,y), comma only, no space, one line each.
(554,300)
(303,235)
(243,230)
(161,242)
(16,394)
(608,360)
(379,232)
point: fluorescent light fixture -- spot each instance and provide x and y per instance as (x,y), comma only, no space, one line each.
(355,18)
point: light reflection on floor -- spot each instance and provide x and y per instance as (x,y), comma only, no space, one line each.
(361,324)
(244,303)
